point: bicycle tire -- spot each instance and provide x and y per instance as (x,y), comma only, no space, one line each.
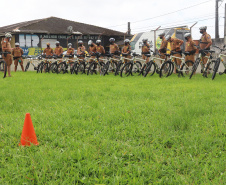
(136,68)
(195,66)
(39,67)
(91,68)
(216,67)
(106,67)
(27,66)
(61,68)
(186,68)
(74,68)
(3,68)
(81,68)
(126,70)
(166,69)
(150,69)
(206,71)
(46,67)
(118,68)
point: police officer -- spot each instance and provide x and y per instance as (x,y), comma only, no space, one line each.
(163,47)
(81,49)
(190,47)
(70,51)
(145,49)
(17,55)
(175,45)
(126,49)
(92,49)
(58,50)
(114,49)
(205,43)
(48,51)
(99,48)
(6,47)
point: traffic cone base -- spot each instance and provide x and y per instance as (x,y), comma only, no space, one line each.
(28,135)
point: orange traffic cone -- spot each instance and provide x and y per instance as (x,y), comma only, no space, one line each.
(28,134)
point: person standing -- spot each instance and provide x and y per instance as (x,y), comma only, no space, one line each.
(145,49)
(114,49)
(92,50)
(81,50)
(190,47)
(126,50)
(205,43)
(17,55)
(175,45)
(163,47)
(48,51)
(6,48)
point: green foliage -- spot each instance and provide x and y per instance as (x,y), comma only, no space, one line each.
(113,130)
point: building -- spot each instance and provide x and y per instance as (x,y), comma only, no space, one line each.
(33,35)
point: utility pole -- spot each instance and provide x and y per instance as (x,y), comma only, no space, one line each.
(225,24)
(129,30)
(217,21)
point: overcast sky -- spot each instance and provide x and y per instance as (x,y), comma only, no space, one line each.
(144,15)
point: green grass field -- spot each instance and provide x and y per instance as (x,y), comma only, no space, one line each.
(113,130)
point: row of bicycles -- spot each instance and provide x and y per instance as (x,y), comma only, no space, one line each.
(124,65)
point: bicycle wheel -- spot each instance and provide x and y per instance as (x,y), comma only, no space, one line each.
(126,70)
(53,67)
(216,67)
(46,67)
(166,69)
(27,66)
(74,68)
(106,67)
(3,68)
(91,68)
(195,66)
(71,64)
(81,68)
(39,68)
(118,68)
(150,69)
(61,68)
(209,69)
(186,68)
(101,68)
(136,68)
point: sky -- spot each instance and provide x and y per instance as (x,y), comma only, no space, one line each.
(144,15)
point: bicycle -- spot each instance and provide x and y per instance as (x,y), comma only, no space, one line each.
(111,63)
(152,66)
(63,66)
(207,67)
(33,61)
(217,63)
(3,66)
(184,68)
(133,66)
(96,62)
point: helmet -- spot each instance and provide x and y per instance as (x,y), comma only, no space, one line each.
(69,44)
(17,44)
(144,40)
(98,41)
(8,35)
(48,44)
(203,28)
(57,42)
(168,37)
(162,34)
(126,40)
(187,35)
(90,42)
(80,42)
(111,40)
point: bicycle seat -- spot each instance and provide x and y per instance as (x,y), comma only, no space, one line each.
(168,55)
(68,56)
(134,54)
(108,55)
(125,54)
(186,53)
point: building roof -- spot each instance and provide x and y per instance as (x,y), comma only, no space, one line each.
(55,25)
